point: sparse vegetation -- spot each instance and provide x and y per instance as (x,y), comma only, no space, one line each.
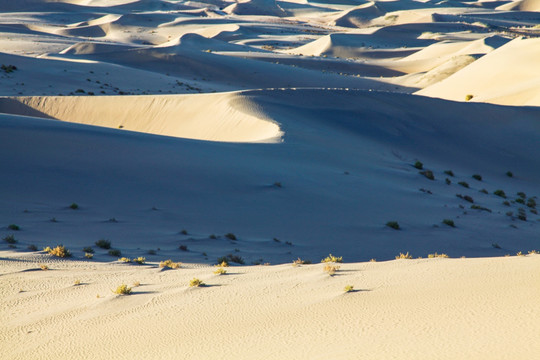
(477,177)
(500,193)
(103,243)
(404,256)
(220,271)
(449,172)
(43,267)
(115,252)
(123,290)
(170,264)
(183,247)
(58,251)
(139,260)
(348,288)
(213,237)
(464,184)
(522,215)
(8,68)
(393,224)
(418,165)
(195,283)
(509,174)
(331,269)
(436,255)
(522,195)
(428,174)
(230,236)
(301,262)
(332,258)
(73,206)
(88,255)
(10,239)
(14,227)
(519,253)
(468,97)
(125,259)
(449,222)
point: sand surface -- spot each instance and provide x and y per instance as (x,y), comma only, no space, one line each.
(266,131)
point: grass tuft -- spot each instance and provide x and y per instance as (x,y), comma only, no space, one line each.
(220,271)
(195,283)
(348,288)
(404,256)
(170,264)
(332,258)
(123,290)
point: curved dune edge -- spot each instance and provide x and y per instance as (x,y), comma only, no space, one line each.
(227,117)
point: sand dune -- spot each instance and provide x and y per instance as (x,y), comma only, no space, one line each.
(260,132)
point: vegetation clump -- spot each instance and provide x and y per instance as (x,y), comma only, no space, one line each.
(348,288)
(115,252)
(464,184)
(103,243)
(125,259)
(500,193)
(73,206)
(220,271)
(230,236)
(477,177)
(14,227)
(418,165)
(169,264)
(195,283)
(8,68)
(10,239)
(449,222)
(449,172)
(404,256)
(140,260)
(428,174)
(299,261)
(436,255)
(332,258)
(123,290)
(331,269)
(393,224)
(58,251)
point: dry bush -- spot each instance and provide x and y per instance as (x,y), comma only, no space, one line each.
(331,269)
(195,283)
(348,288)
(170,264)
(436,255)
(404,256)
(220,271)
(58,251)
(332,258)
(123,290)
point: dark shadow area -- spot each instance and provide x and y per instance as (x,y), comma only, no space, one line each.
(15,107)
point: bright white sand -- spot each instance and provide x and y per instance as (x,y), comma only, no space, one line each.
(295,125)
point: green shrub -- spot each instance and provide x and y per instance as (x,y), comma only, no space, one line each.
(500,193)
(14,227)
(88,255)
(115,252)
(522,195)
(477,177)
(520,201)
(418,165)
(478,207)
(301,262)
(103,243)
(484,191)
(10,239)
(73,206)
(464,184)
(32,247)
(125,259)
(449,222)
(531,203)
(447,181)
(393,224)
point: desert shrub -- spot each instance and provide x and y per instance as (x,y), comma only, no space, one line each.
(123,290)
(348,288)
(478,207)
(136,284)
(519,253)
(288,243)
(183,247)
(115,252)
(8,68)
(235,259)
(77,282)
(278,184)
(506,203)
(522,215)
(220,271)
(184,232)
(464,184)
(534,211)
(103,243)
(43,267)
(393,224)
(301,262)
(140,260)
(447,181)
(230,236)
(151,252)
(88,255)
(222,262)
(520,201)
(428,174)
(496,245)
(125,259)
(500,193)
(213,237)
(404,256)
(10,239)
(477,177)
(449,222)
(484,191)
(73,206)
(276,240)
(169,264)
(53,220)
(418,165)
(509,174)
(521,194)
(59,251)
(195,283)
(331,269)
(531,203)
(449,172)
(14,227)
(468,97)
(88,249)
(32,247)
(436,255)
(332,258)
(465,197)
(533,252)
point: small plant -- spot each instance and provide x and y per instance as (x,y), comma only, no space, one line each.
(195,283)
(477,177)
(88,255)
(436,255)
(213,237)
(73,206)
(10,239)
(522,215)
(464,184)
(222,262)
(88,249)
(59,251)
(184,232)
(506,203)
(496,245)
(418,165)
(404,256)
(449,222)
(32,247)
(123,290)
(278,184)
(531,203)
(77,282)
(465,197)
(140,260)
(103,243)
(230,236)
(115,252)
(53,220)
(301,262)
(8,68)
(14,227)
(220,271)
(447,181)
(169,264)
(288,243)
(332,258)
(43,267)
(113,220)
(183,247)
(509,174)
(393,224)
(478,207)
(520,201)
(519,253)
(468,97)
(522,195)
(277,240)
(449,172)
(348,288)
(331,269)
(428,174)
(136,284)
(151,252)
(236,259)
(500,193)
(125,259)
(373,260)
(533,252)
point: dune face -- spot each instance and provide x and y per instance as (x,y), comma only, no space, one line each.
(144,141)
